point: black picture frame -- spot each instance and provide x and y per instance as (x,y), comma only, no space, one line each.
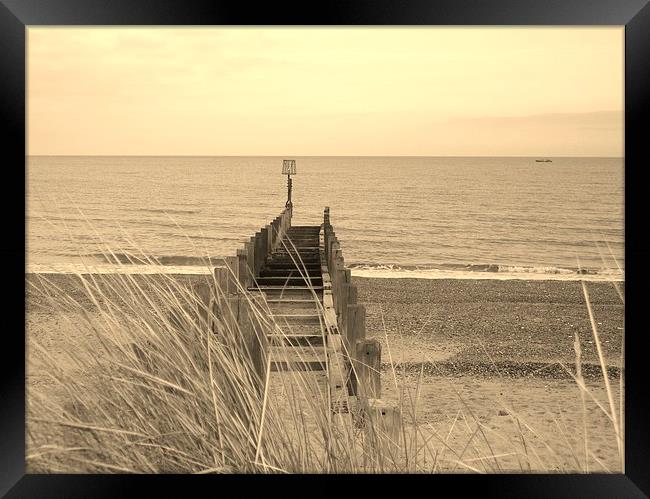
(17,15)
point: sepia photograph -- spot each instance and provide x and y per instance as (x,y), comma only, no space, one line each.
(342,249)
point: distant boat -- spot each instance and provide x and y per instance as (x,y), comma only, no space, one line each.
(543,161)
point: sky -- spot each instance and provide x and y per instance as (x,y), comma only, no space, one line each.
(405,91)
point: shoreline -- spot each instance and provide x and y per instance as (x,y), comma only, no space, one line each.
(425,274)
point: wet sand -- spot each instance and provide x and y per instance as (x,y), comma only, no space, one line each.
(492,352)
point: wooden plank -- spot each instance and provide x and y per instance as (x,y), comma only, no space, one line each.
(299,339)
(251,257)
(232,263)
(263,287)
(221,279)
(337,375)
(308,365)
(353,294)
(356,332)
(382,425)
(368,369)
(242,266)
(260,252)
(253,334)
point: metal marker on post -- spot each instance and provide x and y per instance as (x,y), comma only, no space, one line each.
(288,169)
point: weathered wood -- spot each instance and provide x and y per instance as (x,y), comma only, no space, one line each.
(242,267)
(269,239)
(228,306)
(198,311)
(250,257)
(264,235)
(337,373)
(356,328)
(203,292)
(232,263)
(221,278)
(344,301)
(260,252)
(368,368)
(383,425)
(339,278)
(273,235)
(253,334)
(353,295)
(356,331)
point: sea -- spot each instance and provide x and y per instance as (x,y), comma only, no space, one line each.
(422,217)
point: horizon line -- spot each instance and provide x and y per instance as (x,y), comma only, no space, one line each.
(319,156)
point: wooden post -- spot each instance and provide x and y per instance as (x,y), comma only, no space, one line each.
(232,263)
(368,369)
(250,257)
(272,235)
(202,291)
(277,232)
(339,273)
(253,335)
(199,311)
(221,277)
(242,267)
(201,307)
(353,295)
(383,424)
(229,310)
(333,244)
(343,298)
(332,262)
(265,243)
(286,222)
(356,326)
(269,239)
(259,252)
(356,331)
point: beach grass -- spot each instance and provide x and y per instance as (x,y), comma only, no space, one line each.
(163,381)
(157,391)
(152,391)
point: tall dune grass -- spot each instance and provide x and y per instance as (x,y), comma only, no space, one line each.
(165,384)
(156,390)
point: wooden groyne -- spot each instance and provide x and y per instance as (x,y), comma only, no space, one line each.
(291,283)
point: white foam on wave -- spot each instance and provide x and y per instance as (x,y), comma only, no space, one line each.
(469,274)
(381,272)
(516,269)
(77,268)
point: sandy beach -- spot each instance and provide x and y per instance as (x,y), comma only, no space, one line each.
(497,352)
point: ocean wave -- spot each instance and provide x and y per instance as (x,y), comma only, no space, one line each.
(484,271)
(161,260)
(76,268)
(131,263)
(172,211)
(477,267)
